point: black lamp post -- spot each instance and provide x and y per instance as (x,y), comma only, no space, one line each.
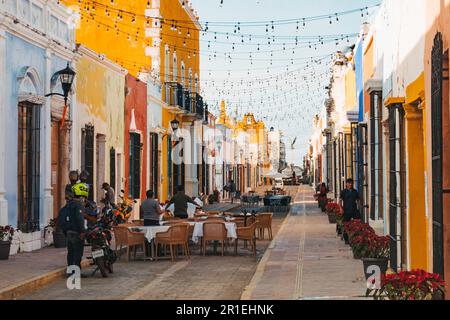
(175,124)
(66,76)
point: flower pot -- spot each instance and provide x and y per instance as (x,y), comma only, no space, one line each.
(381,263)
(59,240)
(331,218)
(438,295)
(5,247)
(339,229)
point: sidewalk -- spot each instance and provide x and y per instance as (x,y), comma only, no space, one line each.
(306,260)
(28,271)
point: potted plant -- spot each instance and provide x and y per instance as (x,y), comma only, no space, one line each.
(375,252)
(339,222)
(6,236)
(409,285)
(331,210)
(59,238)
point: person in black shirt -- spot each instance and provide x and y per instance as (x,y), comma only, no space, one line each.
(349,200)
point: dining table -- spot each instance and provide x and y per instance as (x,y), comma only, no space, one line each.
(151,231)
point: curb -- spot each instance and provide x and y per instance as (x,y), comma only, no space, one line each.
(27,286)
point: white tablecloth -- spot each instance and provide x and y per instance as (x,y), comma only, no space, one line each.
(198,231)
(151,231)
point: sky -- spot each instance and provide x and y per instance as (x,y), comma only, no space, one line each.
(283,83)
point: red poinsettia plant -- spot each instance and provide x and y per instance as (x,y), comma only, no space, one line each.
(367,244)
(356,227)
(333,208)
(409,285)
(6,233)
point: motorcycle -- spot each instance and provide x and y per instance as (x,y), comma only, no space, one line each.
(121,212)
(99,238)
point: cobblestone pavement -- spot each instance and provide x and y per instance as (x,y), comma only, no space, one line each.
(210,277)
(306,260)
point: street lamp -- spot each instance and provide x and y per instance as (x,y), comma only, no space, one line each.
(175,124)
(66,77)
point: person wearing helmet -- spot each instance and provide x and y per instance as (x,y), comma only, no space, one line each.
(71,221)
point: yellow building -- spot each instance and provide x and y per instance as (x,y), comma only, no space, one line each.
(158,39)
(252,137)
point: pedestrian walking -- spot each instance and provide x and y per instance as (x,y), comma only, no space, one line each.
(150,210)
(180,201)
(323,196)
(349,201)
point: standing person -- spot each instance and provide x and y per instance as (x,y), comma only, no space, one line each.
(109,198)
(150,210)
(73,180)
(349,201)
(323,196)
(71,222)
(180,201)
(231,188)
(84,176)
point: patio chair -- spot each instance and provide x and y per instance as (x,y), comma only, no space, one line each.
(264,222)
(130,239)
(246,234)
(214,231)
(177,235)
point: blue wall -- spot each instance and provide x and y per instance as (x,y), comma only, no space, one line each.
(20,54)
(359,80)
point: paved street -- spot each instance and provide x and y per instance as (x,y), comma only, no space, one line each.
(210,277)
(305,261)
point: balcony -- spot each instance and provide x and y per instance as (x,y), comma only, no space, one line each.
(174,94)
(198,105)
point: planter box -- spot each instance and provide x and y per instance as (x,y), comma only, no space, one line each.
(5,247)
(332,218)
(381,263)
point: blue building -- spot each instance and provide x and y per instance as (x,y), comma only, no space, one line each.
(36,40)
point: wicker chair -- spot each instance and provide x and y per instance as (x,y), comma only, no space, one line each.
(246,234)
(264,222)
(214,231)
(177,235)
(130,239)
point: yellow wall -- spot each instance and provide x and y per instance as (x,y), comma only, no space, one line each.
(97,31)
(186,47)
(416,175)
(350,90)
(187,51)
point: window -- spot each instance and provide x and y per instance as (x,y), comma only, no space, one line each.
(154,171)
(169,166)
(87,156)
(134,187)
(112,168)
(183,74)
(376,162)
(166,72)
(196,84)
(175,68)
(28,169)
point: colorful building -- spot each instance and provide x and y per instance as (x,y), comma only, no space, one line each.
(99,123)
(35,42)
